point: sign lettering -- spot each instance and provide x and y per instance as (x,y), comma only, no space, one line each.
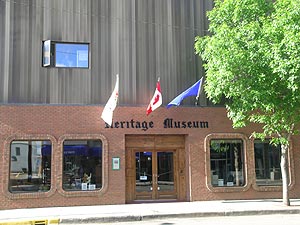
(168,123)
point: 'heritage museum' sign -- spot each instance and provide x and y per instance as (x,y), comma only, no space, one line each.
(168,123)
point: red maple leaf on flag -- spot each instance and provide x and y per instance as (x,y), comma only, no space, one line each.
(156,99)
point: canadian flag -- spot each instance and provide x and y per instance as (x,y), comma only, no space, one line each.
(156,100)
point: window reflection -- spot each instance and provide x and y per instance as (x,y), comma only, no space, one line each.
(267,163)
(82,165)
(71,55)
(227,163)
(30,166)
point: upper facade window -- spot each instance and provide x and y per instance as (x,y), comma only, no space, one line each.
(227,162)
(65,55)
(30,166)
(267,163)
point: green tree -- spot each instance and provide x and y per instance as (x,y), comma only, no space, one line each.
(252,58)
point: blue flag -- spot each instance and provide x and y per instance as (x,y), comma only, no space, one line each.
(192,91)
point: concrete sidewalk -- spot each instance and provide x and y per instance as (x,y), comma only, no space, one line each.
(146,211)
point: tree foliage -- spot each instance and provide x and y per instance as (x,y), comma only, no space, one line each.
(252,59)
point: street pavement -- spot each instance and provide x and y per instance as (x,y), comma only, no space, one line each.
(147,211)
(286,219)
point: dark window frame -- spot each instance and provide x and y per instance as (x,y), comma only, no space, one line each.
(50,56)
(246,157)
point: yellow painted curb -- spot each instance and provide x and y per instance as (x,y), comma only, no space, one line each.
(32,222)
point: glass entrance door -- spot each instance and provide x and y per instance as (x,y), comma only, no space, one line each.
(144,176)
(165,173)
(155,177)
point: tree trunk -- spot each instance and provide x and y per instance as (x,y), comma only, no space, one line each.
(236,165)
(284,174)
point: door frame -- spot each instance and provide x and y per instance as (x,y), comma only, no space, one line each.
(157,143)
(155,193)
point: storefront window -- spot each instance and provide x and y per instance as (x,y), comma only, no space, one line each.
(227,163)
(267,163)
(82,165)
(30,166)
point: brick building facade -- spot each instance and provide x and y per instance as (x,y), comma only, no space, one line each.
(58,61)
(192,168)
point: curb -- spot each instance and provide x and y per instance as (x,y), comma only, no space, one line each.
(32,222)
(129,218)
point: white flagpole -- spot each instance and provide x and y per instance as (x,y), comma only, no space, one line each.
(199,91)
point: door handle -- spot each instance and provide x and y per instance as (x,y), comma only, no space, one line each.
(154,178)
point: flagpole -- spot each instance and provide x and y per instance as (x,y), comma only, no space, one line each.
(199,90)
(196,102)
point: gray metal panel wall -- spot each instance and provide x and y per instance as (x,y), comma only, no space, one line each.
(140,40)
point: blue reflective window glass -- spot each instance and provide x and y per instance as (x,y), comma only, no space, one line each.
(82,165)
(71,55)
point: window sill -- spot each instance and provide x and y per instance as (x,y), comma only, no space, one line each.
(227,189)
(82,193)
(29,195)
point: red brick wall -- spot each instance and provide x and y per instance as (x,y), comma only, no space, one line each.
(58,122)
